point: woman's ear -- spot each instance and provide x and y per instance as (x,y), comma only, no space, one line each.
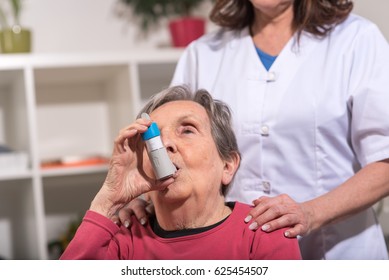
(230,167)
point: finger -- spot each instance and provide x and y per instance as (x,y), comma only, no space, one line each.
(279,199)
(122,139)
(288,220)
(116,220)
(144,122)
(141,122)
(124,216)
(275,217)
(142,216)
(269,208)
(150,209)
(138,207)
(260,199)
(261,221)
(262,205)
(122,143)
(297,230)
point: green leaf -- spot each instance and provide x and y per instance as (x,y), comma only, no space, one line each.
(16,9)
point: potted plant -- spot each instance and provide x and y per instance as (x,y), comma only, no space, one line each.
(13,37)
(183,26)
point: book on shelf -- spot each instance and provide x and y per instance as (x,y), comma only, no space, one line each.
(74,161)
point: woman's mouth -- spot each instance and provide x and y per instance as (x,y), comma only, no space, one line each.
(175,175)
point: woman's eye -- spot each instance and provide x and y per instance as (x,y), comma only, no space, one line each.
(187,130)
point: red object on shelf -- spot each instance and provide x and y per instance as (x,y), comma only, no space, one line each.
(185,30)
(88,161)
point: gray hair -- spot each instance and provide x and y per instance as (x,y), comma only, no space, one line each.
(218,112)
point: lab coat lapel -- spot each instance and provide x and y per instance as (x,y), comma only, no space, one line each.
(280,76)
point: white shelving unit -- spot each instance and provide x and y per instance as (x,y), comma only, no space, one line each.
(55,105)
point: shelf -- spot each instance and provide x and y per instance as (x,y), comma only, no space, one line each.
(60,60)
(69,171)
(16,176)
(53,106)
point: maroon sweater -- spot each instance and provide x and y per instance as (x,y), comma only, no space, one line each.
(99,238)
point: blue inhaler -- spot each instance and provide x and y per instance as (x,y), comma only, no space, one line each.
(162,165)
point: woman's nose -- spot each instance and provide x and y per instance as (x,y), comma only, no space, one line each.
(169,143)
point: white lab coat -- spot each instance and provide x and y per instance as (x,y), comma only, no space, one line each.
(306,125)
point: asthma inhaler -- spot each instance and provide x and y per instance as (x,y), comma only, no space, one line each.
(162,165)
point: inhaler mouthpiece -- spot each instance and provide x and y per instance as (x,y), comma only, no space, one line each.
(162,165)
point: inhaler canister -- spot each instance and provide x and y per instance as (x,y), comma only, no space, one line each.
(162,165)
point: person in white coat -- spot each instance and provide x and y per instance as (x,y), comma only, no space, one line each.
(308,85)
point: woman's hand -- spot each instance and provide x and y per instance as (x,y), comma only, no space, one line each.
(139,207)
(126,178)
(271,213)
(366,187)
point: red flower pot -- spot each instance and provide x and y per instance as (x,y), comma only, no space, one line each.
(185,30)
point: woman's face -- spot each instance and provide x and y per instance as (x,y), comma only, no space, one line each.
(186,133)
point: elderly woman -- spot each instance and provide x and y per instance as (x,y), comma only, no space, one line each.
(192,220)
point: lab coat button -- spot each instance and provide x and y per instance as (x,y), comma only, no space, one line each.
(271,77)
(266,186)
(264,130)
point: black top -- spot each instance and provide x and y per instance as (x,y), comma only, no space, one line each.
(183,232)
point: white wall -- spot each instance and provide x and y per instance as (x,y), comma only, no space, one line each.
(77,25)
(376,11)
(85,25)
(92,25)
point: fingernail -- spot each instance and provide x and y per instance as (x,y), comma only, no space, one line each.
(248,218)
(265,227)
(286,233)
(253,226)
(126,224)
(143,221)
